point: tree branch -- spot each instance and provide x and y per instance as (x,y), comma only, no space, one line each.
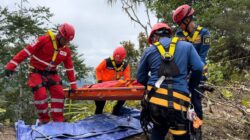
(130,10)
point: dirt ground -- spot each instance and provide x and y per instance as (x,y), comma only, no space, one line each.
(7,133)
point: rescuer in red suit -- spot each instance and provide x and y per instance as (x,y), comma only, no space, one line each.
(45,54)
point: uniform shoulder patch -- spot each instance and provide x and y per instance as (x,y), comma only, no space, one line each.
(206,40)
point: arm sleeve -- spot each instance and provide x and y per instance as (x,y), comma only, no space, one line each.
(68,64)
(99,70)
(142,70)
(24,53)
(205,46)
(127,73)
(196,67)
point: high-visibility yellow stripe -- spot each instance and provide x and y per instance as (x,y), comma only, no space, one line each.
(179,107)
(53,39)
(177,132)
(116,68)
(180,96)
(173,45)
(171,51)
(196,33)
(159,101)
(149,88)
(175,94)
(162,91)
(164,103)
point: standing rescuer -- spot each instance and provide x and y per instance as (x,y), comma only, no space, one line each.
(166,99)
(200,38)
(45,54)
(113,68)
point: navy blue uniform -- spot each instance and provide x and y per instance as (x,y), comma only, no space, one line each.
(202,45)
(147,73)
(185,55)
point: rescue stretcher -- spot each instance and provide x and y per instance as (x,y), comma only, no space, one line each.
(111,90)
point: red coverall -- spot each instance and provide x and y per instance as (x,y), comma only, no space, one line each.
(41,53)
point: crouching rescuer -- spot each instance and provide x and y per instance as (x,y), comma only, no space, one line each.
(166,100)
(45,54)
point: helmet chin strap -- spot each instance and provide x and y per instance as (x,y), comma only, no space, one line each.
(58,38)
(186,25)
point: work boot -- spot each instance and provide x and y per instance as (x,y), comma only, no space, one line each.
(196,134)
(116,112)
(117,108)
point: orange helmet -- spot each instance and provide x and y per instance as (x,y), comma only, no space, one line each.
(182,12)
(67,31)
(119,54)
(158,26)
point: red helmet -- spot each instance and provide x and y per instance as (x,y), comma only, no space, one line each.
(156,27)
(119,53)
(182,12)
(67,31)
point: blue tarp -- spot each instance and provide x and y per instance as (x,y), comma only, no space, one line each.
(97,127)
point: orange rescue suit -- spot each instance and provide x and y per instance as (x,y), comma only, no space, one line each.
(107,70)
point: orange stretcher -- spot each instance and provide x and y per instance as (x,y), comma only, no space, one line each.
(112,90)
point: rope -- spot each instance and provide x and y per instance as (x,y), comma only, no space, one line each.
(232,60)
(45,136)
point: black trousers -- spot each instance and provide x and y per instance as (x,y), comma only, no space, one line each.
(164,118)
(116,110)
(159,133)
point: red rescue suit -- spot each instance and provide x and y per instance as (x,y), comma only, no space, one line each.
(44,73)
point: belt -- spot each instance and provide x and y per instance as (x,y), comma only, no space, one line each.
(43,72)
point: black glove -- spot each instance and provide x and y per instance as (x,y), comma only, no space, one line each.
(99,81)
(8,73)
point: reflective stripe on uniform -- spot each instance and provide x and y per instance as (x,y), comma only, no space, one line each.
(55,100)
(177,132)
(175,94)
(70,69)
(40,102)
(72,83)
(57,110)
(46,63)
(13,62)
(164,102)
(42,111)
(27,51)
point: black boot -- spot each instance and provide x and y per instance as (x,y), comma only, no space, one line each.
(196,134)
(99,106)
(116,111)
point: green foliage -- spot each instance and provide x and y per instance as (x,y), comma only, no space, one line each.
(245,102)
(78,110)
(132,56)
(226,94)
(228,22)
(143,42)
(17,28)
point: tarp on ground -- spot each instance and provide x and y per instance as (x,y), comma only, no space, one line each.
(97,127)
